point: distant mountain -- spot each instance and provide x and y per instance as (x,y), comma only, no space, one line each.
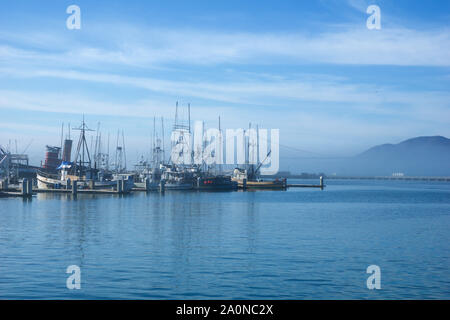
(428,156)
(421,156)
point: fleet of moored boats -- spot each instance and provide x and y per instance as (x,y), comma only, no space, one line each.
(59,172)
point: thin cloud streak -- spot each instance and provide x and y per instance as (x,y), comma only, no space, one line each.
(366,98)
(350,45)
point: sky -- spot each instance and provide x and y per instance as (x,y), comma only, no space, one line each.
(309,68)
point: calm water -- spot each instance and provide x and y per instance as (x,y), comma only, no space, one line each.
(297,244)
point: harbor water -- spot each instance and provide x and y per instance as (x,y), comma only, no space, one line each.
(294,244)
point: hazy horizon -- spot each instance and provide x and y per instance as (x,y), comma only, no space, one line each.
(314,70)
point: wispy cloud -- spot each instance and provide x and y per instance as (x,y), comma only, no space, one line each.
(365,97)
(61,74)
(352,45)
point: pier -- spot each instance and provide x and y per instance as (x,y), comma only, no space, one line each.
(404,178)
(320,185)
(26,189)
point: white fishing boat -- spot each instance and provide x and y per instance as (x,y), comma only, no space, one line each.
(176,178)
(79,171)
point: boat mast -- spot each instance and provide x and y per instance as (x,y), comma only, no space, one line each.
(83,148)
(219,165)
(62,134)
(257,147)
(176,114)
(163,145)
(96,150)
(124,152)
(107,159)
(189,116)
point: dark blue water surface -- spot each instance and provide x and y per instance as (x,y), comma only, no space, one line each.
(295,244)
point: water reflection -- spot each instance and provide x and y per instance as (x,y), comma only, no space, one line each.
(226,245)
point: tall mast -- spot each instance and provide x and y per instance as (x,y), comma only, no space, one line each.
(176,114)
(124,152)
(221,148)
(203,147)
(83,148)
(117,152)
(153,142)
(163,145)
(257,146)
(96,149)
(107,159)
(189,116)
(62,134)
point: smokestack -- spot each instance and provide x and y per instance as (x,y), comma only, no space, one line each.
(67,150)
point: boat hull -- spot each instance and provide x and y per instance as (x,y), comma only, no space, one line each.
(219,183)
(276,184)
(176,186)
(47,182)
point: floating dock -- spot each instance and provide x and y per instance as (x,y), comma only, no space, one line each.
(79,191)
(14,194)
(320,185)
(306,186)
(26,189)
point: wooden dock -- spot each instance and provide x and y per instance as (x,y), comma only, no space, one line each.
(26,190)
(79,191)
(321,185)
(306,186)
(14,194)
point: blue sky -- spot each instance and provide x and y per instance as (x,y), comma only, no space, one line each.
(310,68)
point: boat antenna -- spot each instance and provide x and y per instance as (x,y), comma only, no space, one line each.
(107,157)
(117,155)
(163,146)
(153,142)
(124,152)
(82,147)
(176,114)
(221,148)
(257,145)
(189,116)
(62,134)
(97,146)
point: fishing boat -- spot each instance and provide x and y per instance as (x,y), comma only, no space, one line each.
(79,171)
(246,181)
(213,183)
(177,178)
(250,177)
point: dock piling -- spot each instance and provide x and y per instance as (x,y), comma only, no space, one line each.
(24,187)
(162,186)
(119,186)
(4,184)
(29,187)
(244,184)
(74,188)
